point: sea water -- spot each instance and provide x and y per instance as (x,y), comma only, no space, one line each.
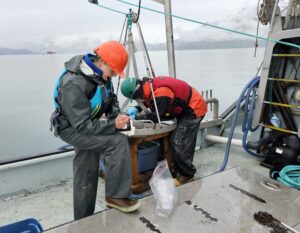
(27,82)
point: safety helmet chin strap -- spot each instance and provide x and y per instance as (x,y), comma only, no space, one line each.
(88,61)
(138,91)
(137,87)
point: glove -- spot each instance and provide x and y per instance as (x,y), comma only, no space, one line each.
(132,112)
(143,115)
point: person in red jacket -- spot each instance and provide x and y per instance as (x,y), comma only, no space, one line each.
(175,99)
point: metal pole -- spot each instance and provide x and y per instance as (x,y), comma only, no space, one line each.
(169,35)
(145,51)
(131,53)
(155,105)
(273,17)
(170,39)
(288,15)
(148,63)
(124,24)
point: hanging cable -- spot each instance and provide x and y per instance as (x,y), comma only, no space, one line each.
(257,27)
(256,40)
(139,9)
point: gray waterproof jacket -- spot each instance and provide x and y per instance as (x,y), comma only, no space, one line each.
(74,93)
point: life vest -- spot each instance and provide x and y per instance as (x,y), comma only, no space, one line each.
(100,98)
(182,91)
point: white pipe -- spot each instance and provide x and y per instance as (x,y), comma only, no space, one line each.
(35,161)
(224,140)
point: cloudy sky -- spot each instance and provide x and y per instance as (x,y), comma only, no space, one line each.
(69,23)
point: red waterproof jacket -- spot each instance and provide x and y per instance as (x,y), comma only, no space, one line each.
(174,98)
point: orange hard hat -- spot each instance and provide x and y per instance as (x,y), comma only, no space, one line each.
(113,54)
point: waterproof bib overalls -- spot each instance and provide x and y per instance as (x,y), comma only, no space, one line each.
(82,98)
(188,106)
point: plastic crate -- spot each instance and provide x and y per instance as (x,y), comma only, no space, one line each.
(147,155)
(30,225)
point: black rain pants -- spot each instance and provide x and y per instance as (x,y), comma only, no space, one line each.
(182,144)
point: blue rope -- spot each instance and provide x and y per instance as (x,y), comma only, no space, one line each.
(289,175)
(213,26)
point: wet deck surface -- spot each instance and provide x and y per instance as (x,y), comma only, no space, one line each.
(225,202)
(53,206)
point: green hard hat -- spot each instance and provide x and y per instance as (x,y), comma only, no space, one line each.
(128,87)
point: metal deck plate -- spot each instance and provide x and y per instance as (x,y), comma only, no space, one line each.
(225,202)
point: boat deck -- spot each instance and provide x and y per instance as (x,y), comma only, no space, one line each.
(236,200)
(52,206)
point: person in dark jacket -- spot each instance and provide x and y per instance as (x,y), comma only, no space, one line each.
(175,99)
(83,95)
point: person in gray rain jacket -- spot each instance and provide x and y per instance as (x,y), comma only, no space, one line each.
(83,94)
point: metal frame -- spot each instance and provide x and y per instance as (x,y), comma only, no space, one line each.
(132,18)
(277,32)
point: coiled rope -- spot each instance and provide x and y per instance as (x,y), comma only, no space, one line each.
(289,175)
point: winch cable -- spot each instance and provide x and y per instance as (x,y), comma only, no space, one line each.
(257,28)
(289,175)
(139,9)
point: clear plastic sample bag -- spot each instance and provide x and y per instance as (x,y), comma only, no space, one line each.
(163,189)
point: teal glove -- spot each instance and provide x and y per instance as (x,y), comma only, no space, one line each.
(132,112)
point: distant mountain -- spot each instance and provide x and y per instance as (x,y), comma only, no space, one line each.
(226,44)
(179,45)
(190,45)
(7,51)
(243,21)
